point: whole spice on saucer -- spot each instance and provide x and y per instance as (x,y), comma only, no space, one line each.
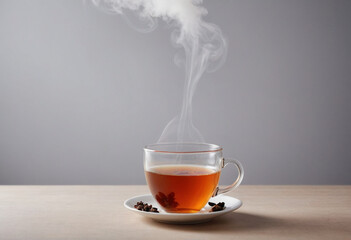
(141,206)
(216,207)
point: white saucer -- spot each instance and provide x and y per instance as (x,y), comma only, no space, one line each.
(204,215)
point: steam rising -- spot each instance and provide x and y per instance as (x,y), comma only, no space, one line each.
(203,44)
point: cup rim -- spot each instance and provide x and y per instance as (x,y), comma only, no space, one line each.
(153,148)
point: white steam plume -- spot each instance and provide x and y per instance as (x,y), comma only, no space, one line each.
(202,42)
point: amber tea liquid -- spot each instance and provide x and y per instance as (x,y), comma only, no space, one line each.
(182,188)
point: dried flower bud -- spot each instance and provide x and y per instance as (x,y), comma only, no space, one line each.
(217,207)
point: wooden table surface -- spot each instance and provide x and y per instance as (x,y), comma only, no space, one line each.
(97,212)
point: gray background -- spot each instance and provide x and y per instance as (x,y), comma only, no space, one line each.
(81,92)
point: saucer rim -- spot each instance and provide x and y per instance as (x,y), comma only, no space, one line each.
(225,210)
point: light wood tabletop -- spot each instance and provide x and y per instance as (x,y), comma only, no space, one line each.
(97,212)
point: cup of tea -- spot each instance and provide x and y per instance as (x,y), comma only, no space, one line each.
(183,176)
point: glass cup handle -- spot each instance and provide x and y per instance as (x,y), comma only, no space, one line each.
(238,180)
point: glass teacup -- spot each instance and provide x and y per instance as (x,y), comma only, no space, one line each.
(183,176)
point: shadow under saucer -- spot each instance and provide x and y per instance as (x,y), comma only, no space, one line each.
(258,224)
(232,222)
